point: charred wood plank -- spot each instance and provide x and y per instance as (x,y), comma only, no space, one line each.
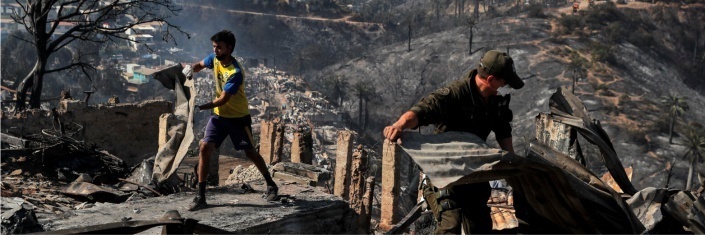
(13,141)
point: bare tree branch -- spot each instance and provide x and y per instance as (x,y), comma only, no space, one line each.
(22,39)
(90,21)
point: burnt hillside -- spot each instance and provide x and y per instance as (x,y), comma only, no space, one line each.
(631,57)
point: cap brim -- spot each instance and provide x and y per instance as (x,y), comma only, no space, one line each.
(514,81)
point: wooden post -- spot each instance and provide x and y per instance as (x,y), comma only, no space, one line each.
(166,120)
(366,215)
(296,147)
(266,141)
(390,185)
(301,147)
(278,146)
(358,170)
(342,164)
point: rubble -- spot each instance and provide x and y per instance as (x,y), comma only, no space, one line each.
(301,173)
(18,217)
(242,174)
(562,194)
(231,211)
(95,193)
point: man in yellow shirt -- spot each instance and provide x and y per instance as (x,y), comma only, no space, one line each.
(231,116)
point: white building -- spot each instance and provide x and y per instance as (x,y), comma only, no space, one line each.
(136,40)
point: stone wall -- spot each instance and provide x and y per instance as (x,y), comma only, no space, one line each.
(129,130)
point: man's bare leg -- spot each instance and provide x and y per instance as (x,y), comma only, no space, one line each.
(204,160)
(256,158)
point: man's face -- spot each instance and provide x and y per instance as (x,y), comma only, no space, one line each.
(222,50)
(495,82)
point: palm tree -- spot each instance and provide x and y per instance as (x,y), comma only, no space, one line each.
(676,106)
(694,143)
(364,92)
(338,86)
(577,66)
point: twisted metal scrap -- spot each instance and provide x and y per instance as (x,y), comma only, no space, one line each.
(568,109)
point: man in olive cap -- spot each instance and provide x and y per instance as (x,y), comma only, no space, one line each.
(470,105)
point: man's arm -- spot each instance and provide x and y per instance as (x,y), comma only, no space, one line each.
(230,88)
(198,66)
(506,144)
(406,121)
(221,100)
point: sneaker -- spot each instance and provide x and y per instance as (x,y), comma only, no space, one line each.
(272,192)
(197,204)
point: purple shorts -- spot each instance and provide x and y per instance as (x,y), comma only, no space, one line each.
(239,130)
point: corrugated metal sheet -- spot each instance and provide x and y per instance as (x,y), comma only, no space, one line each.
(557,187)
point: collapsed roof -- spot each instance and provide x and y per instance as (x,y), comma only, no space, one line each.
(561,194)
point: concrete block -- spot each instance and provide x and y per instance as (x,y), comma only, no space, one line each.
(317,175)
(293,178)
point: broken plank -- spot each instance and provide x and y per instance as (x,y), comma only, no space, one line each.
(13,141)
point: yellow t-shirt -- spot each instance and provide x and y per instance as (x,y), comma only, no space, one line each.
(230,79)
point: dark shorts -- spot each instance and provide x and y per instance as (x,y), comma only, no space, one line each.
(239,130)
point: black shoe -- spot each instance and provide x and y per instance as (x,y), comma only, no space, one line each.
(197,204)
(272,192)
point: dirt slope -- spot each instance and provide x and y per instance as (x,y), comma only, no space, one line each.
(622,93)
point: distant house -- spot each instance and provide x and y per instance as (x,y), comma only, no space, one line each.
(7,26)
(8,9)
(137,74)
(63,28)
(136,40)
(144,29)
(142,75)
(130,68)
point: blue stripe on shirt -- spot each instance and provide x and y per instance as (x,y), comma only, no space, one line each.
(208,61)
(234,82)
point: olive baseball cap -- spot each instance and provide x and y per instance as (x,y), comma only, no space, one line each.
(501,64)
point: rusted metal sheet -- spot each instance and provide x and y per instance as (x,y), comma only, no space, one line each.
(688,209)
(646,205)
(609,180)
(503,218)
(557,187)
(94,192)
(568,108)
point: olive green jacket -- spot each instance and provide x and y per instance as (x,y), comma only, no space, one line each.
(459,107)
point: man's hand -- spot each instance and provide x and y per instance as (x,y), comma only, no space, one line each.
(202,107)
(393,133)
(188,71)
(407,120)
